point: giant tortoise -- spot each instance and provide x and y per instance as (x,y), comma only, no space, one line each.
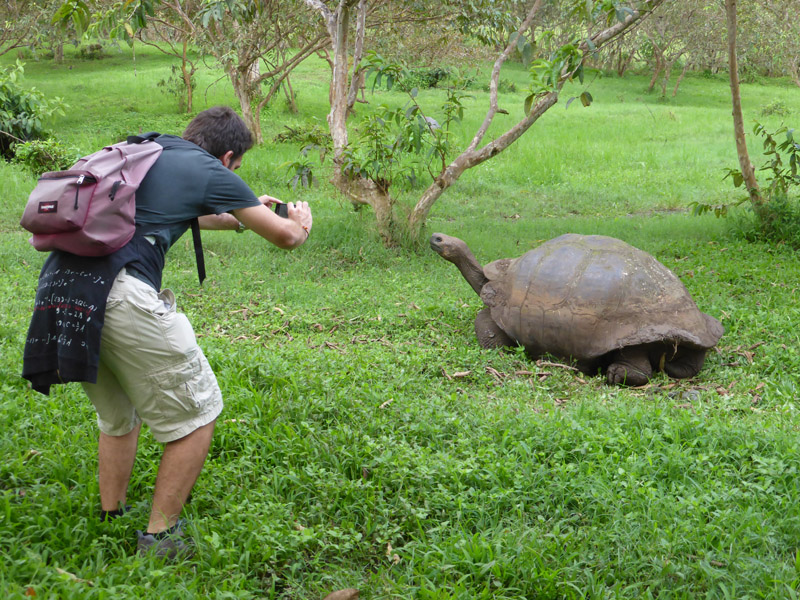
(608,306)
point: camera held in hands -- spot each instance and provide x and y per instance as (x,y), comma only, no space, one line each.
(282,210)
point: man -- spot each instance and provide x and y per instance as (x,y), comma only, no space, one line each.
(150,367)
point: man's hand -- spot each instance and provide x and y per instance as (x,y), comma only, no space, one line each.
(284,233)
(269,201)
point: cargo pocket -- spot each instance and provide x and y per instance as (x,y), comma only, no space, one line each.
(177,387)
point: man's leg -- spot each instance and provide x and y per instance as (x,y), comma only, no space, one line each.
(180,466)
(115,458)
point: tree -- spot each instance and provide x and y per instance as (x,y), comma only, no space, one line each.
(241,34)
(670,38)
(15,27)
(549,76)
(747,170)
(28,23)
(769,33)
(568,63)
(175,25)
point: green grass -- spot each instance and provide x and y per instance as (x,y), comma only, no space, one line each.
(368,442)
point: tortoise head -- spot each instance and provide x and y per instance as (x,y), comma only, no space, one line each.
(457,252)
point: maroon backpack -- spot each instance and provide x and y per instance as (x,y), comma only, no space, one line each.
(89,209)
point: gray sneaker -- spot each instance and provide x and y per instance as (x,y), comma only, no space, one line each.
(171,544)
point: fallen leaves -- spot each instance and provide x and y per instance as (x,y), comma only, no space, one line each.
(391,555)
(500,376)
(345,594)
(73,577)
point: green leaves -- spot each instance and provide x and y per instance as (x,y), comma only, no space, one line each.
(585,98)
(384,70)
(302,172)
(75,12)
(23,112)
(784,159)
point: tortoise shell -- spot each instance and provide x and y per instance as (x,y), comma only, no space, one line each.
(586,295)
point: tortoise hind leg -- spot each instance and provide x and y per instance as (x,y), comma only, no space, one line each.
(488,333)
(629,366)
(686,363)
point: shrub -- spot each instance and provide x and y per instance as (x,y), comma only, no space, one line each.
(422,79)
(504,86)
(91,52)
(40,156)
(782,224)
(774,108)
(779,219)
(175,86)
(23,112)
(306,135)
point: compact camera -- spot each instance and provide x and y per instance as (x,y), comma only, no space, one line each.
(282,210)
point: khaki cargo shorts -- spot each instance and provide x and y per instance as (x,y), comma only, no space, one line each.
(151,368)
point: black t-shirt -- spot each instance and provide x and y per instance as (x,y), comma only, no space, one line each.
(184,183)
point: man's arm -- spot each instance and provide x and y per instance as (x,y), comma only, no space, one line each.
(284,233)
(225,221)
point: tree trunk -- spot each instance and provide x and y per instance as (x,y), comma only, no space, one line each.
(680,79)
(337,117)
(363,191)
(187,77)
(241,88)
(290,96)
(623,65)
(748,173)
(665,79)
(794,69)
(656,71)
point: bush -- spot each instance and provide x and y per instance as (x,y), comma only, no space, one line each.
(23,112)
(782,224)
(40,156)
(504,86)
(422,79)
(175,86)
(91,52)
(305,134)
(778,220)
(774,108)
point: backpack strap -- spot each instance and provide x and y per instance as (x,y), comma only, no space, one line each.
(195,224)
(198,251)
(144,137)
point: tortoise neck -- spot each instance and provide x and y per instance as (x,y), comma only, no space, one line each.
(471,270)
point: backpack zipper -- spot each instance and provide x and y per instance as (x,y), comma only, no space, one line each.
(79,183)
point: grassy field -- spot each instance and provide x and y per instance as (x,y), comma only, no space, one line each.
(368,442)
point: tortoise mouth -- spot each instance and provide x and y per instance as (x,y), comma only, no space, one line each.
(436,243)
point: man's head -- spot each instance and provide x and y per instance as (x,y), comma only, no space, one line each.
(222,133)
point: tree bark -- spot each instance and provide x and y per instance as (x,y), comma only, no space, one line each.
(748,173)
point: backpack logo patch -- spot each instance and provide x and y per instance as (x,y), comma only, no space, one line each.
(48,207)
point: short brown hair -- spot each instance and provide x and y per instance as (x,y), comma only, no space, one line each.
(219,129)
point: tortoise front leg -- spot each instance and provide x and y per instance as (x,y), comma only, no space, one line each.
(687,362)
(629,366)
(488,333)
